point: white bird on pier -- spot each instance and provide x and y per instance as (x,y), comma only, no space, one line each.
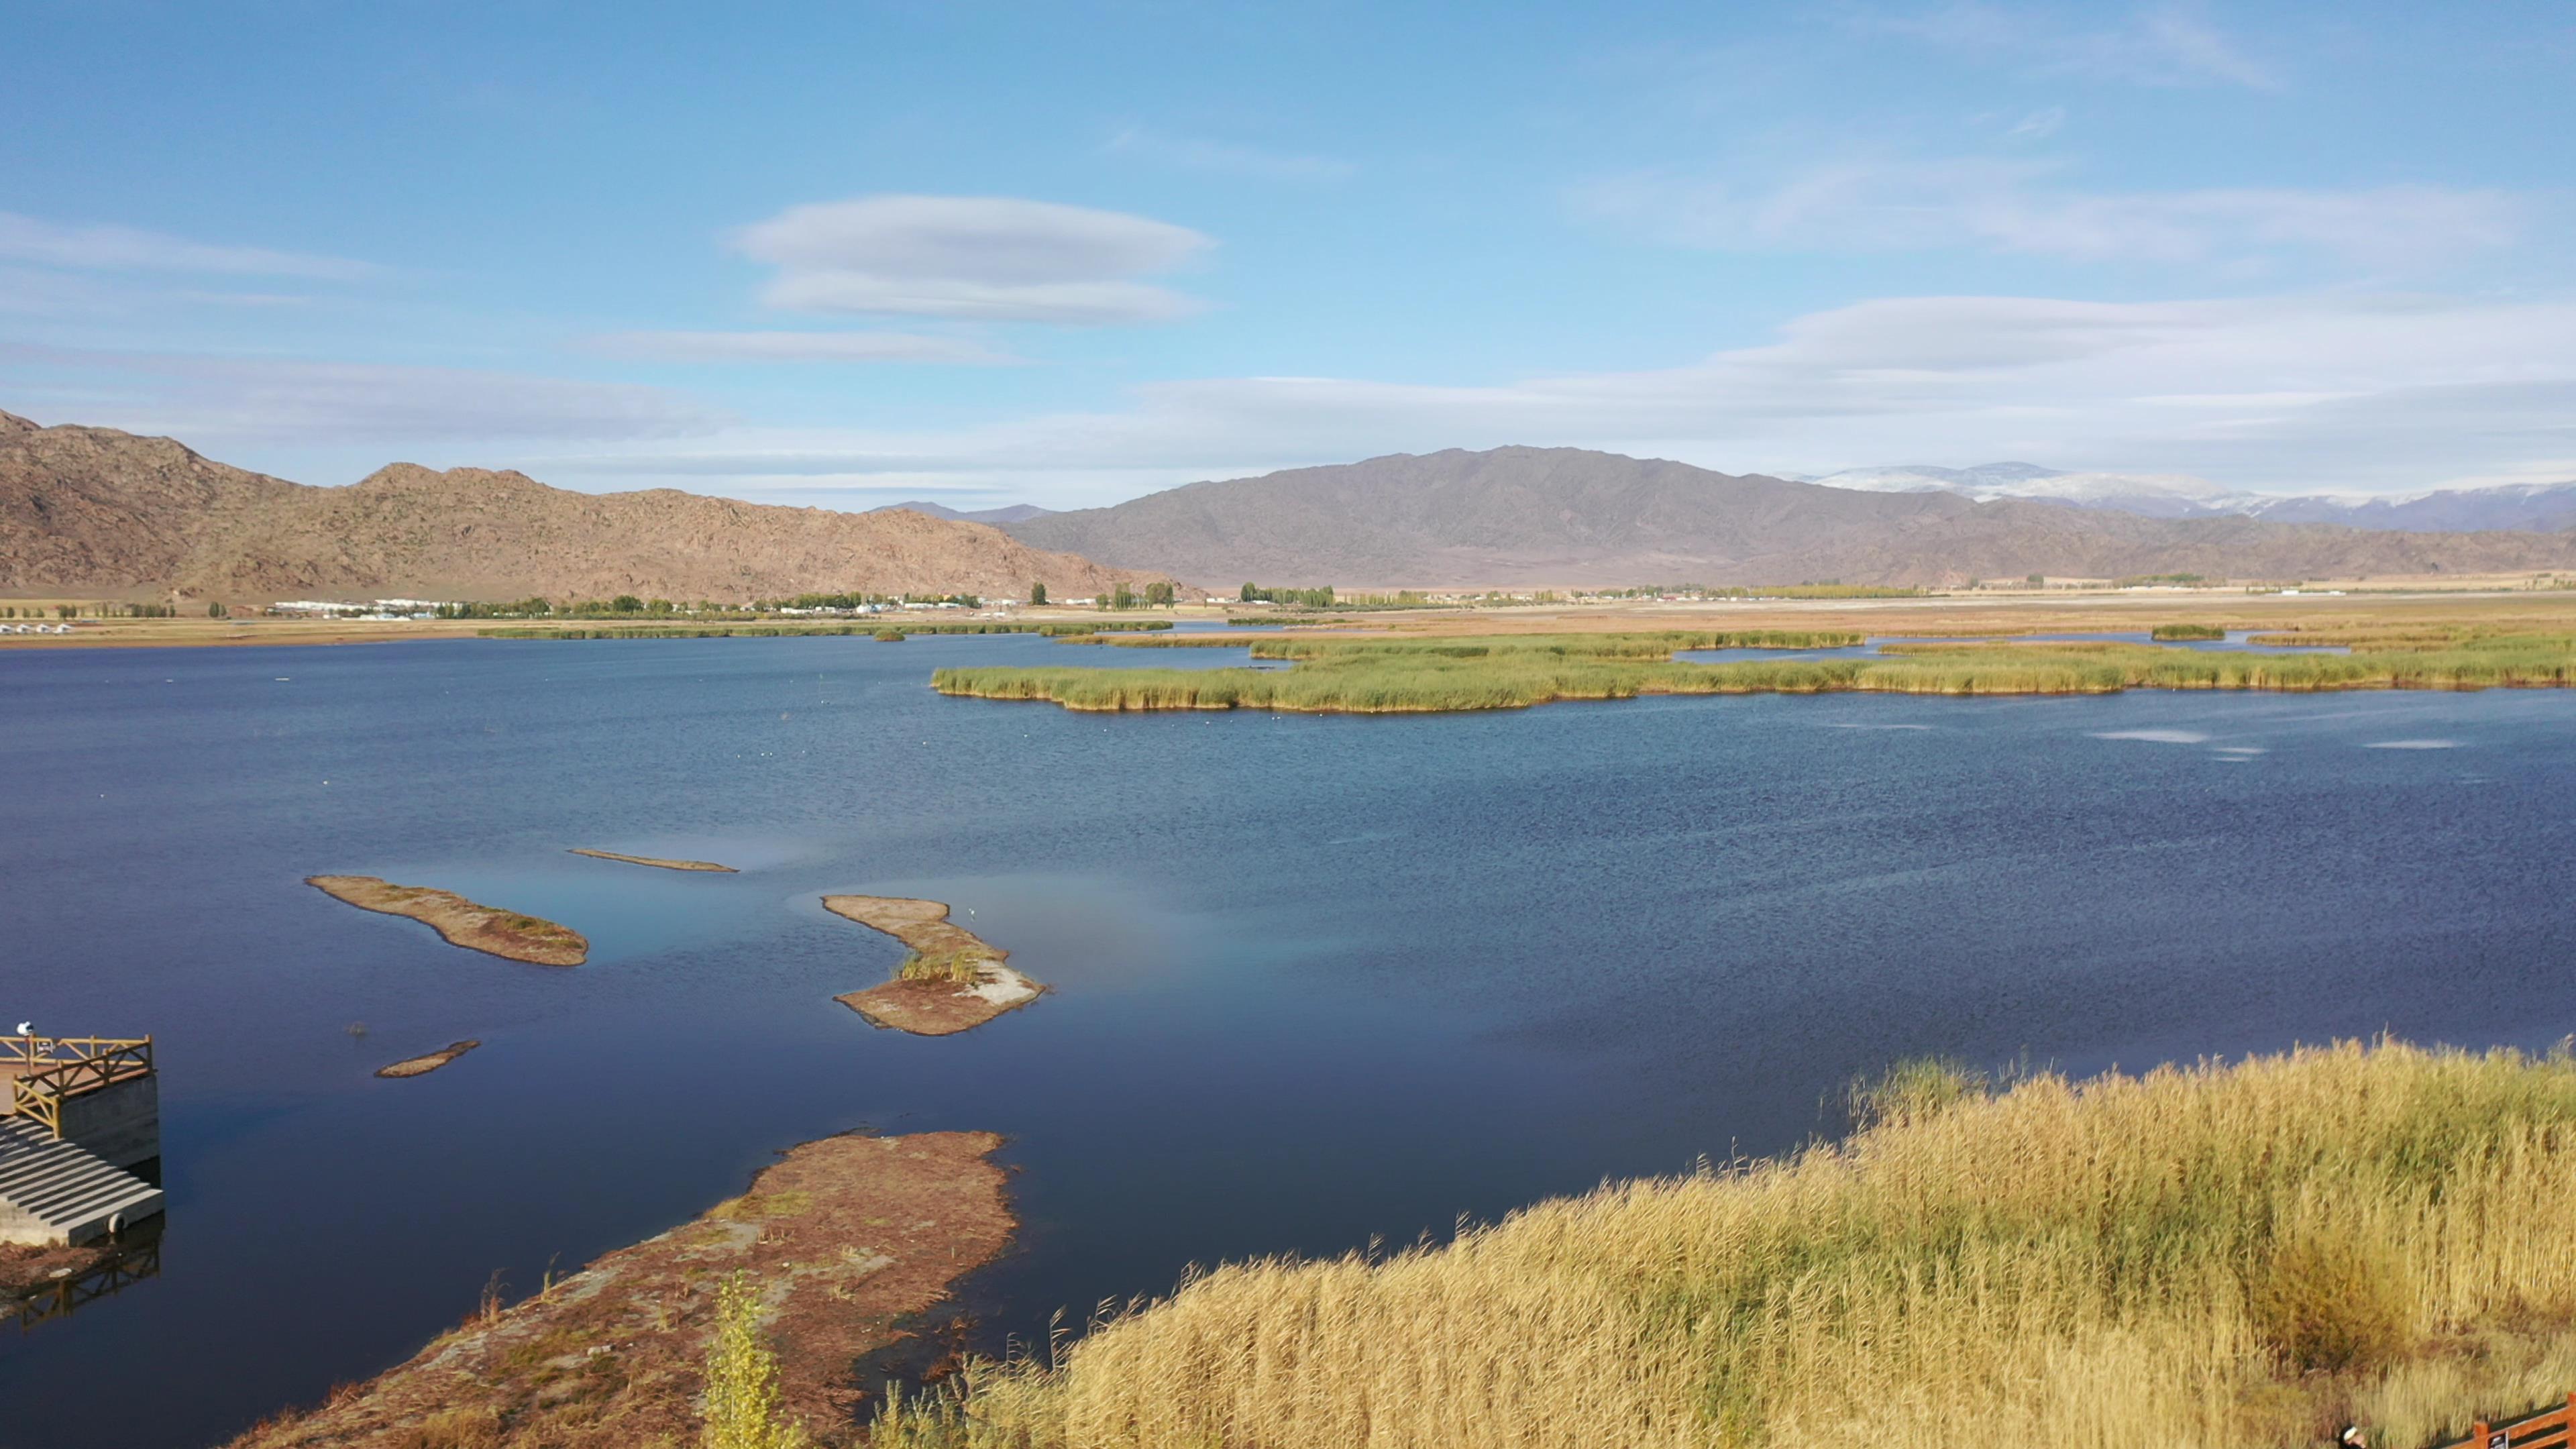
(26,1028)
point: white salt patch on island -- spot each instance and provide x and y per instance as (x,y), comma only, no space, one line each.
(2155,737)
(1000,985)
(2412,745)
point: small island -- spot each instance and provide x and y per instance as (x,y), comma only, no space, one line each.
(846,1240)
(506,934)
(952,980)
(654,861)
(422,1065)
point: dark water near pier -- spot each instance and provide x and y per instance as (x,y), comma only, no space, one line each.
(1318,979)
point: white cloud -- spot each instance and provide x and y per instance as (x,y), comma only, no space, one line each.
(1198,154)
(984,258)
(797,347)
(2021,207)
(273,402)
(2161,45)
(2039,125)
(124,248)
(2305,394)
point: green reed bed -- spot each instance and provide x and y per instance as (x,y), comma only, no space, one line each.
(1373,676)
(2187,631)
(875,628)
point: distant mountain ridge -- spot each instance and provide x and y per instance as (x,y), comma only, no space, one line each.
(1008,513)
(2531,507)
(97,512)
(1572,516)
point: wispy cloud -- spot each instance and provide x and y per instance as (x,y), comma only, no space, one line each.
(269,401)
(981,258)
(797,347)
(124,248)
(2024,207)
(1191,153)
(2308,393)
(2160,45)
(2039,125)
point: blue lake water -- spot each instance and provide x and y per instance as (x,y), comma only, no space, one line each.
(1318,979)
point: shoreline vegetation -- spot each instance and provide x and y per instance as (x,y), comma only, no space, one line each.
(952,981)
(2253,1253)
(870,628)
(429,1062)
(1512,671)
(702,865)
(840,1242)
(461,922)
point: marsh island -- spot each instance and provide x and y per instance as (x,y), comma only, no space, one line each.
(953,980)
(1448,673)
(428,1062)
(840,1241)
(461,922)
(654,860)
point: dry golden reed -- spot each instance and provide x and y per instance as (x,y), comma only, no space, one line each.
(2210,1256)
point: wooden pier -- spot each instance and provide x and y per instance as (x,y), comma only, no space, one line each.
(82,1112)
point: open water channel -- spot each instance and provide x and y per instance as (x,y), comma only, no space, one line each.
(1317,979)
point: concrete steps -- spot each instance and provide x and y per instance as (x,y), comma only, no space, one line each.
(54,1192)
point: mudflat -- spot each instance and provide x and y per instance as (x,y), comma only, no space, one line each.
(844,1238)
(953,981)
(420,1065)
(462,922)
(653,860)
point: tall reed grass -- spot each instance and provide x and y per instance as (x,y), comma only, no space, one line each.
(876,628)
(2240,1255)
(1378,675)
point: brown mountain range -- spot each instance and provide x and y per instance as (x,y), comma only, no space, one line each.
(93,512)
(1570,516)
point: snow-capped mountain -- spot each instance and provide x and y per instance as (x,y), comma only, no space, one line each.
(2538,507)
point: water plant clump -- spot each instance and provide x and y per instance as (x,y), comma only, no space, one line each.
(961,967)
(1422,674)
(2217,1254)
(2187,631)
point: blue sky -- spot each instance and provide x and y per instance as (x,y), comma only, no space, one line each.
(853,253)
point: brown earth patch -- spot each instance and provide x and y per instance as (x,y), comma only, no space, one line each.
(654,860)
(844,1238)
(462,922)
(25,1267)
(953,981)
(417,1066)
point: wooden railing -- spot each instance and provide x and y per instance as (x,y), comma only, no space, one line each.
(49,1069)
(2550,1428)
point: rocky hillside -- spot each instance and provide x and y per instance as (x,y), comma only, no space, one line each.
(1570,516)
(96,512)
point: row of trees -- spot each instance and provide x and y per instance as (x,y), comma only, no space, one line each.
(1311,598)
(1157,595)
(92,611)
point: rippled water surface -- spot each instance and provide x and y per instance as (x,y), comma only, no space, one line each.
(1317,978)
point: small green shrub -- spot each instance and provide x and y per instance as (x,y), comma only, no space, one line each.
(964,968)
(742,1405)
(2329,1302)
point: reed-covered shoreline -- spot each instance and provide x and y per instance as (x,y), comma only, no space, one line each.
(872,628)
(1391,676)
(2251,1254)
